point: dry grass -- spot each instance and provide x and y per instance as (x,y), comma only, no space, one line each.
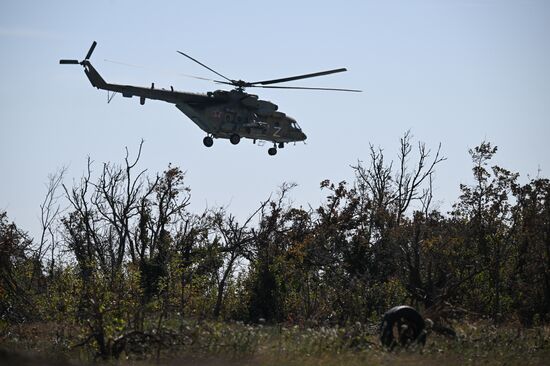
(209,343)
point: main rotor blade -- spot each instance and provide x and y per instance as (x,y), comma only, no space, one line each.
(305,76)
(69,62)
(306,88)
(89,54)
(150,68)
(223,82)
(203,65)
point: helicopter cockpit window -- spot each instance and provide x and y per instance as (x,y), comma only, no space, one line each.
(295,126)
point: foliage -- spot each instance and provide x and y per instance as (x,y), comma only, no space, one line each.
(125,270)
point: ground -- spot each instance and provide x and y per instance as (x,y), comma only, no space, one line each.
(216,343)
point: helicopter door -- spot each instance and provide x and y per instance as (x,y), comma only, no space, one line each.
(228,117)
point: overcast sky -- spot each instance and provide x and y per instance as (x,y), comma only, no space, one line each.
(456,72)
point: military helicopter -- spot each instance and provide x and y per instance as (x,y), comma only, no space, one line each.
(231,115)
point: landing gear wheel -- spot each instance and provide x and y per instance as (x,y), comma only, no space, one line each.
(402,325)
(272,151)
(208,141)
(235,139)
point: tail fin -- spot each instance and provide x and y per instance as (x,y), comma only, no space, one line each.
(93,75)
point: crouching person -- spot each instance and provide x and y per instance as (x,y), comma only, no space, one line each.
(403,325)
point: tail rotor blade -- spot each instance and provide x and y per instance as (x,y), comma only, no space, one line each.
(69,62)
(89,54)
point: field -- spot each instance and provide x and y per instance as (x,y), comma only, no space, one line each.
(129,275)
(216,343)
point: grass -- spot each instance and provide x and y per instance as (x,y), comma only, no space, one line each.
(217,343)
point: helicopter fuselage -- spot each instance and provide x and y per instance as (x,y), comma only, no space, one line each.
(236,113)
(221,114)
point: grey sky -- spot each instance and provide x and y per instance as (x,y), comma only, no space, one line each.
(454,72)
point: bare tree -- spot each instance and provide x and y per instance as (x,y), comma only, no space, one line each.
(81,226)
(408,183)
(375,180)
(117,198)
(268,242)
(236,237)
(50,210)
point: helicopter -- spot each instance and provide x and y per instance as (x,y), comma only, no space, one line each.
(222,114)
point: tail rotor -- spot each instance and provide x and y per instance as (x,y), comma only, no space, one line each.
(76,62)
